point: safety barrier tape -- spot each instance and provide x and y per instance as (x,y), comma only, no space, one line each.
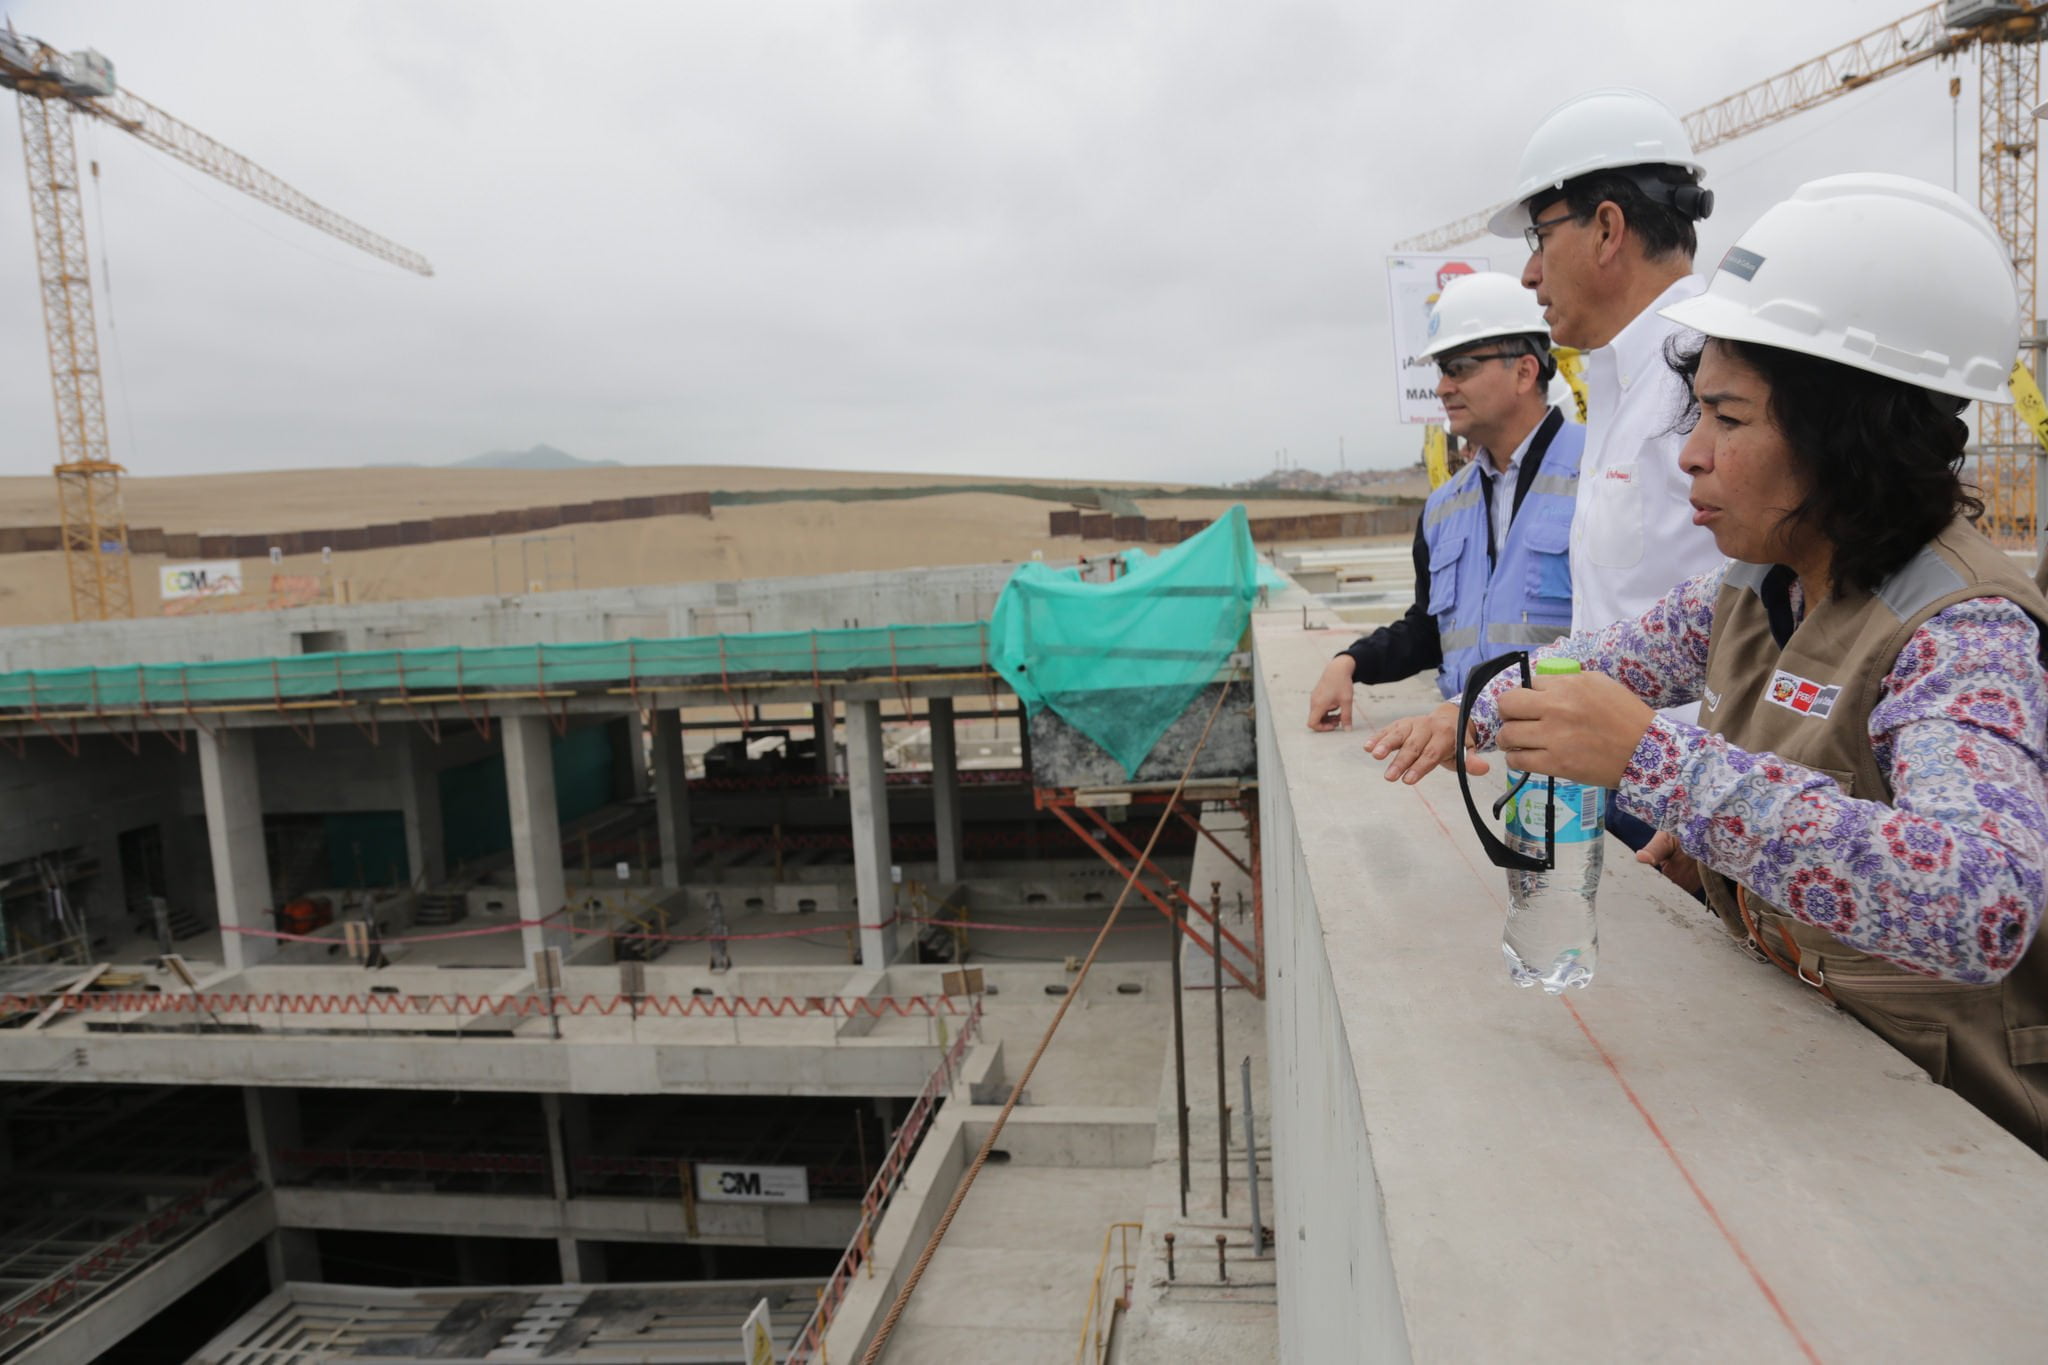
(521,1005)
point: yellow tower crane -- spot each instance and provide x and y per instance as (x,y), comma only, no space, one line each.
(2007,38)
(52,86)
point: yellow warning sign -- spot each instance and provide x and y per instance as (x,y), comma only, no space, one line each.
(2033,409)
(757,1340)
(1436,456)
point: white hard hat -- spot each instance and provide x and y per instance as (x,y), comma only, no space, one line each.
(1878,272)
(1480,306)
(1598,131)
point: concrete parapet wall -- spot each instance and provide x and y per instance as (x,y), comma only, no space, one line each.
(1694,1158)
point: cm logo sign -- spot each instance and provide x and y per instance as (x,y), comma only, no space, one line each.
(735,1184)
(210,579)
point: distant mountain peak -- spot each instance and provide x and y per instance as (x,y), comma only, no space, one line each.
(542,456)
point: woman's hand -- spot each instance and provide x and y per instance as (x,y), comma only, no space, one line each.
(1414,745)
(1581,726)
(1678,867)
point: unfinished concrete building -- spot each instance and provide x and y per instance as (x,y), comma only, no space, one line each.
(586,1057)
(586,950)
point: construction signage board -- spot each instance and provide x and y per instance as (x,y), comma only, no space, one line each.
(1413,284)
(212,578)
(718,1184)
(757,1337)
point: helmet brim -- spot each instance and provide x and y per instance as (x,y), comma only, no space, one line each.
(1727,320)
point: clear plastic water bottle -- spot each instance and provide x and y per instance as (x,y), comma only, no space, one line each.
(1551,939)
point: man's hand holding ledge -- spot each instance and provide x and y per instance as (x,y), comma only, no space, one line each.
(1329,705)
(1583,726)
(1414,745)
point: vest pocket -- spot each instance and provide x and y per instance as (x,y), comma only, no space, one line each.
(1443,576)
(1550,561)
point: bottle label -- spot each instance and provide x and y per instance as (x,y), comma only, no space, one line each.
(1581,811)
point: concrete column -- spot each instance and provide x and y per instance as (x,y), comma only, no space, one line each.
(291,1253)
(868,794)
(636,755)
(945,786)
(536,834)
(106,899)
(582,1262)
(234,833)
(420,795)
(671,796)
(825,734)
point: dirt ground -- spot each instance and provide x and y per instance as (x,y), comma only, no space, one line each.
(772,540)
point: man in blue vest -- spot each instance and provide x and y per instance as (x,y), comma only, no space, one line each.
(1492,552)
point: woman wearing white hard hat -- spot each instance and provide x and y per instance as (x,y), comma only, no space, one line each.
(1867,791)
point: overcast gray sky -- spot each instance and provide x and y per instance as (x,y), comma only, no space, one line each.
(1063,238)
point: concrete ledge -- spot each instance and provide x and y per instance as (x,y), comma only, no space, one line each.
(1695,1159)
(1067,1135)
(982,1078)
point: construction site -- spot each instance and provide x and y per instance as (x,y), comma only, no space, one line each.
(711,914)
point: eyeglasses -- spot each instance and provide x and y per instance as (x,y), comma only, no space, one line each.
(1459,368)
(1533,234)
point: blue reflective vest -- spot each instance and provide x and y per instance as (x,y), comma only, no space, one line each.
(1523,597)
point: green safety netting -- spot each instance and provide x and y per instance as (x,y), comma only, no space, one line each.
(1120,661)
(512,668)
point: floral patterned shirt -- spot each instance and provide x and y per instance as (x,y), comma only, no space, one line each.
(1950,880)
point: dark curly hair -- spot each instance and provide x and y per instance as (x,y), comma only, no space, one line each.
(1883,459)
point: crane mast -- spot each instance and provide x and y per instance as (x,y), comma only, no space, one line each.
(52,89)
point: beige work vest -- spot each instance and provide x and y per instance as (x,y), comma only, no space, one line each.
(1810,704)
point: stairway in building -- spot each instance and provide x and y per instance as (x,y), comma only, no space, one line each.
(436,909)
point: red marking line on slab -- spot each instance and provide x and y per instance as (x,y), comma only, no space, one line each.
(1649,1121)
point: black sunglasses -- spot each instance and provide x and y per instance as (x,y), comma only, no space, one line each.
(1497,852)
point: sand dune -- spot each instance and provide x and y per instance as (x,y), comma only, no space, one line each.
(772,540)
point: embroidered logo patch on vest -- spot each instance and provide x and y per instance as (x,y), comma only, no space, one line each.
(1798,694)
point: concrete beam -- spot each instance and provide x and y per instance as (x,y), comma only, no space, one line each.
(528,1062)
(827,1224)
(536,834)
(868,795)
(671,796)
(945,786)
(234,833)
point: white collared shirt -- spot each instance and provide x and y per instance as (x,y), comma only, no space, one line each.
(1632,534)
(1504,481)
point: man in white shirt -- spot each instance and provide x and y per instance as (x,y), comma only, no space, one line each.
(1608,195)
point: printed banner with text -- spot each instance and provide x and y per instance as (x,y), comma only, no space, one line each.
(1413,283)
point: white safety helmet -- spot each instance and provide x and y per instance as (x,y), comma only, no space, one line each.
(1601,130)
(1481,306)
(1878,272)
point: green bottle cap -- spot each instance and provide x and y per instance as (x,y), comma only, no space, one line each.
(1555,665)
